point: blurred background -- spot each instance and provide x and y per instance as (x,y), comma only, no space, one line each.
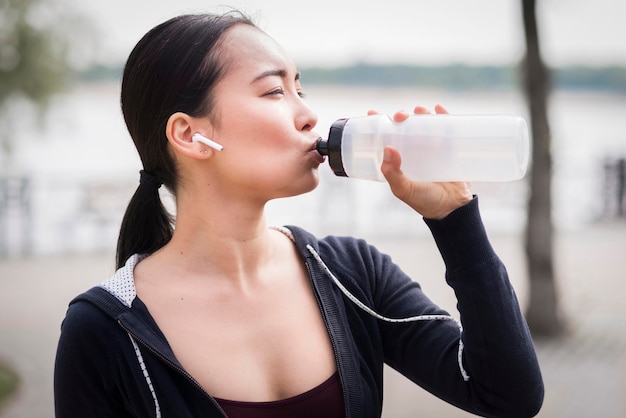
(68,165)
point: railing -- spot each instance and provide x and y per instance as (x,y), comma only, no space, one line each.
(16,226)
(614,187)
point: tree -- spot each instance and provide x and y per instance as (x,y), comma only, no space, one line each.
(35,59)
(543,313)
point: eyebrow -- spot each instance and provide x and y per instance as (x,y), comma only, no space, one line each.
(276,72)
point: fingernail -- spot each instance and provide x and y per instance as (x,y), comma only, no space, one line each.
(387,155)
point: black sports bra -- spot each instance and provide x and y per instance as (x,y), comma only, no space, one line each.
(325,400)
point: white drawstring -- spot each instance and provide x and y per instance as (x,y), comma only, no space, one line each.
(375,314)
(146,375)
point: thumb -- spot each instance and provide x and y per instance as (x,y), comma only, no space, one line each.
(391,170)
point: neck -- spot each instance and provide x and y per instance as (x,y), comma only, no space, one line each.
(229,239)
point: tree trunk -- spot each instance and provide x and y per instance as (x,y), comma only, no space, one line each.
(543,313)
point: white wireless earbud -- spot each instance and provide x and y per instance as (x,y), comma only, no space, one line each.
(206,141)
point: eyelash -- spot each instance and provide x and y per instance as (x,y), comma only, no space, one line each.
(301,94)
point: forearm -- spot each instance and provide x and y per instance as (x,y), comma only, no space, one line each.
(499,354)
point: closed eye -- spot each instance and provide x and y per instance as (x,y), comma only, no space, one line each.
(276,92)
(280,91)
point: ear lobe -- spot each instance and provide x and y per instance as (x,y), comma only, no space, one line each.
(179,131)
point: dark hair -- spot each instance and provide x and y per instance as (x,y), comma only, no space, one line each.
(173,68)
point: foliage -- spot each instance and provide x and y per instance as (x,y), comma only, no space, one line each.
(8,384)
(100,72)
(35,56)
(608,78)
(455,76)
(449,77)
(464,77)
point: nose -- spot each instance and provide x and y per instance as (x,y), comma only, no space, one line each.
(307,118)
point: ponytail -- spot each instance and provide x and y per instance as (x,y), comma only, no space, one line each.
(173,68)
(147,225)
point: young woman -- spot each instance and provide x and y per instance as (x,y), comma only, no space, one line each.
(224,316)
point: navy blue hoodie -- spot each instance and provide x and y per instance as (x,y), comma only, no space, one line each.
(113,361)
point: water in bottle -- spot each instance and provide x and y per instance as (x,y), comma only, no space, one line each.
(490,148)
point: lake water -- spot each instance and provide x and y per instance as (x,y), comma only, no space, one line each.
(83,168)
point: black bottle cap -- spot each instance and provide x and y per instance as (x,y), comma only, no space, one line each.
(332,147)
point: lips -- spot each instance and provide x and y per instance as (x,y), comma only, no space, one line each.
(319,158)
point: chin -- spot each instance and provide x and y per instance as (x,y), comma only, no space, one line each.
(315,181)
(305,184)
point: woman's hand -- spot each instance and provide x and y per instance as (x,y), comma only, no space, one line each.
(431,200)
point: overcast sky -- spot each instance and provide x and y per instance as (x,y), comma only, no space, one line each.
(336,32)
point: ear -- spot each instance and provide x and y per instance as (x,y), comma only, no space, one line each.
(179,130)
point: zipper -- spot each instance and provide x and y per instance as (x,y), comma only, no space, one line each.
(330,334)
(308,262)
(174,366)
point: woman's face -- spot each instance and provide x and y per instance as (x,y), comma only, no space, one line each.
(262,121)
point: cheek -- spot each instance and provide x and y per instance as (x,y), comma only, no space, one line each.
(256,127)
(272,128)
(264,139)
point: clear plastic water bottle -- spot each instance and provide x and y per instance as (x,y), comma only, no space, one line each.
(489,148)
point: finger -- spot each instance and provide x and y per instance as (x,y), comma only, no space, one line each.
(392,171)
(440,109)
(372,112)
(400,116)
(421,110)
(391,159)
